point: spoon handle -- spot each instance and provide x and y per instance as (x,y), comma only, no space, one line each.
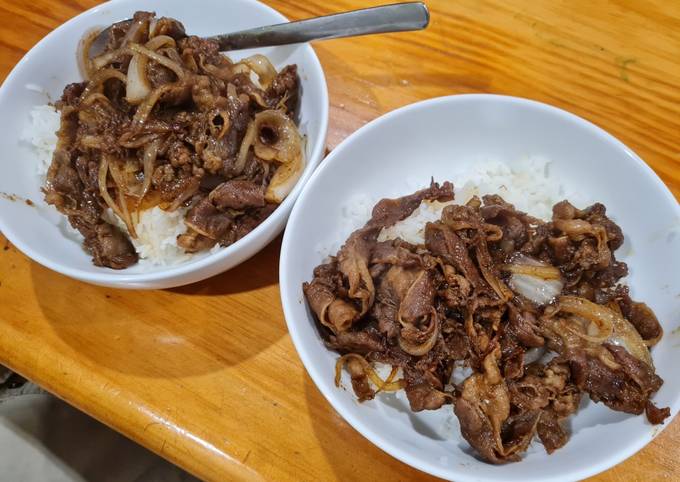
(399,17)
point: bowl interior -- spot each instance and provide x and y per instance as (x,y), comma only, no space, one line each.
(447,137)
(40,77)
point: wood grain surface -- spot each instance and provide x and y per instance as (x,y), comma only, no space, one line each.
(206,375)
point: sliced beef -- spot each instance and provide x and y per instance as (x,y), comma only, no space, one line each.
(207,220)
(615,378)
(482,409)
(418,302)
(388,211)
(552,434)
(110,247)
(523,326)
(645,322)
(193,242)
(237,195)
(442,241)
(362,342)
(321,294)
(422,396)
(71,94)
(285,90)
(656,415)
(426,309)
(395,253)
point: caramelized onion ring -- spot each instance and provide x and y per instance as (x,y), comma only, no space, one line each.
(286,146)
(156,57)
(266,73)
(600,315)
(98,79)
(617,329)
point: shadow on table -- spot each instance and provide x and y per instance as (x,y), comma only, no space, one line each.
(198,329)
(345,448)
(260,271)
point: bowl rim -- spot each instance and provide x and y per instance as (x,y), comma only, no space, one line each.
(290,294)
(158,276)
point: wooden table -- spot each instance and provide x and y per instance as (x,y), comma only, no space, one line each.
(206,375)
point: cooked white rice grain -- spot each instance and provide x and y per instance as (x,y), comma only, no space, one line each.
(157,232)
(528,184)
(41,134)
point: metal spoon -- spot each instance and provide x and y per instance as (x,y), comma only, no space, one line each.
(399,17)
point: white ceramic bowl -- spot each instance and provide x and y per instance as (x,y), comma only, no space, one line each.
(51,64)
(445,136)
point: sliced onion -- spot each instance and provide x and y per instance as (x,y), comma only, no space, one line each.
(91,142)
(493,233)
(119,178)
(226,72)
(160,41)
(83,53)
(573,227)
(545,272)
(600,315)
(132,141)
(266,73)
(104,192)
(109,57)
(627,336)
(283,181)
(246,143)
(586,328)
(137,31)
(156,57)
(534,354)
(288,144)
(536,281)
(138,85)
(98,79)
(150,154)
(147,105)
(370,372)
(617,329)
(126,212)
(287,150)
(96,97)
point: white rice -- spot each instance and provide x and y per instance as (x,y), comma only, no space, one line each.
(41,135)
(157,230)
(528,184)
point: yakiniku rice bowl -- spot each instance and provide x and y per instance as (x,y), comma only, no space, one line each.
(533,156)
(37,83)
